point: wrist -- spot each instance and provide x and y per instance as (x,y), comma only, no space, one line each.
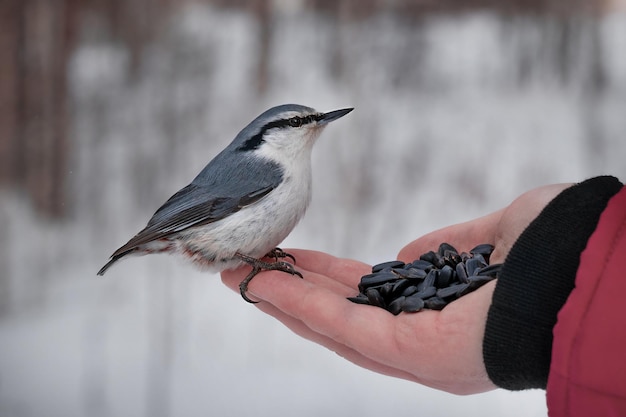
(536,279)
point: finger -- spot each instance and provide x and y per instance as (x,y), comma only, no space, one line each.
(519,214)
(233,278)
(463,236)
(338,274)
(273,279)
(301,329)
(331,315)
(346,271)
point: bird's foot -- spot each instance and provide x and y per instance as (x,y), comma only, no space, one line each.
(258,266)
(278,253)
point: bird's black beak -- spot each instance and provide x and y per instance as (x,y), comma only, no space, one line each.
(333,115)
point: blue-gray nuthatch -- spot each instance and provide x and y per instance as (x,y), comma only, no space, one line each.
(245,201)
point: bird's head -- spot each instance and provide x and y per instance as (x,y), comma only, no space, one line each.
(284,132)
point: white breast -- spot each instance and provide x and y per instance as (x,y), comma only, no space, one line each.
(255,229)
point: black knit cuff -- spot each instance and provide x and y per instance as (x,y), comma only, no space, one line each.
(536,279)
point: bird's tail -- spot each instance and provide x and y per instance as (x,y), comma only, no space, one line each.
(113,259)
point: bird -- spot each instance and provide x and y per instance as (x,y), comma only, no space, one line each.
(244,202)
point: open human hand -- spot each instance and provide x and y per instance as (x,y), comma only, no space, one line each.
(439,349)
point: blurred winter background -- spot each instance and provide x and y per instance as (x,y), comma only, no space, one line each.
(108,107)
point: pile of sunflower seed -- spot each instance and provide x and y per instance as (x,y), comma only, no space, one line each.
(432,281)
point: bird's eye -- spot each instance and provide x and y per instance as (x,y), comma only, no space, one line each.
(295,122)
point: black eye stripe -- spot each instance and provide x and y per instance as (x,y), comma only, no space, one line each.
(295,121)
(292,122)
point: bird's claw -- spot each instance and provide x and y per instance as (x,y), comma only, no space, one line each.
(278,253)
(243,287)
(258,266)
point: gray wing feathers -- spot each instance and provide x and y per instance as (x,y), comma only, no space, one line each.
(213,195)
(170,219)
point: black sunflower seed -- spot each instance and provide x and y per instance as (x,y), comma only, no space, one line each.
(372,280)
(451,291)
(472,265)
(445,276)
(489,270)
(400,285)
(359,299)
(375,298)
(410,273)
(461,272)
(390,264)
(446,248)
(395,307)
(430,257)
(478,281)
(429,281)
(435,303)
(412,304)
(421,264)
(410,290)
(484,249)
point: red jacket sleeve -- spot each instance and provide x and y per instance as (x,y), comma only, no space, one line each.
(588,368)
(536,280)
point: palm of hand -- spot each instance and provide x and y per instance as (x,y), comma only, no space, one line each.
(440,349)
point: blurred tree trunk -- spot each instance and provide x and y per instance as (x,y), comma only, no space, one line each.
(8,86)
(35,40)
